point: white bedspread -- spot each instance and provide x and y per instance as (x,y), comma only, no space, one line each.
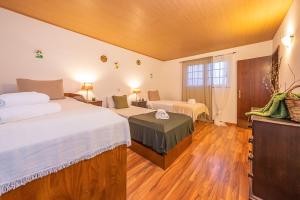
(162,104)
(131,111)
(34,148)
(192,110)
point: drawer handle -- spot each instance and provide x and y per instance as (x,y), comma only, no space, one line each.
(250,140)
(250,175)
(251,156)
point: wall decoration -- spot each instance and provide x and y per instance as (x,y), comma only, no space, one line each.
(271,79)
(151,75)
(39,54)
(276,62)
(117,65)
(103,58)
(138,62)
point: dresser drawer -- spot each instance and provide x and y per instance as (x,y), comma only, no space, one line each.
(275,165)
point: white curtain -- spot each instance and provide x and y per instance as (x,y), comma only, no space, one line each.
(222,66)
(196,83)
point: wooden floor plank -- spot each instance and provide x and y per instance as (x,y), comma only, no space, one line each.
(214,166)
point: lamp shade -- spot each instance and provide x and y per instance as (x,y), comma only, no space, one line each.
(136,90)
(87,86)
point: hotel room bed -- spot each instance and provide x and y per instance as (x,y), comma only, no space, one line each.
(75,138)
(192,110)
(158,137)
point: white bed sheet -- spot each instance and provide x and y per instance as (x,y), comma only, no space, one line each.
(162,104)
(33,148)
(131,111)
(192,110)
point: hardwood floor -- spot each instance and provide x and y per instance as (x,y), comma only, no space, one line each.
(215,166)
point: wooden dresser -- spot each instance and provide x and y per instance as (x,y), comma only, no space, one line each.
(274,159)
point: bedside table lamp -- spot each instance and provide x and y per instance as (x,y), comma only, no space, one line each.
(136,91)
(87,87)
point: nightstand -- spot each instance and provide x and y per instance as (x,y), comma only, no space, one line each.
(142,104)
(95,103)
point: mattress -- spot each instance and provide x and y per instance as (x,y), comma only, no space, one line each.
(192,110)
(162,104)
(160,135)
(33,148)
(131,111)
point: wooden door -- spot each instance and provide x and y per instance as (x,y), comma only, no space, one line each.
(251,90)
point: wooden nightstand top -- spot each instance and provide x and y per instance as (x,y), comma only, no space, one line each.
(142,104)
(95,103)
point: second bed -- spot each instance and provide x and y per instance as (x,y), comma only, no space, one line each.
(160,141)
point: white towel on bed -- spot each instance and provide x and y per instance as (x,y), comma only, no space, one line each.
(22,98)
(161,114)
(17,113)
(191,101)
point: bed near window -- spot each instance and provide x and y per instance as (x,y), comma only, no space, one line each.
(160,141)
(194,110)
(78,153)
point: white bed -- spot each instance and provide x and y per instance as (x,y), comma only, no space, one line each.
(131,111)
(33,148)
(192,110)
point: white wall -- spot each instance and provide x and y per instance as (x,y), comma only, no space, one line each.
(67,55)
(171,70)
(291,56)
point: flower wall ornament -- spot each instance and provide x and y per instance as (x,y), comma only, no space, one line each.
(117,65)
(39,54)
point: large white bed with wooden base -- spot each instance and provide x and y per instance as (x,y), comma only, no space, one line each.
(78,153)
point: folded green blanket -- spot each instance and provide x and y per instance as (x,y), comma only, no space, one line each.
(276,107)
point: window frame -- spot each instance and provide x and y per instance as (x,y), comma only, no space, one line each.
(218,74)
(195,75)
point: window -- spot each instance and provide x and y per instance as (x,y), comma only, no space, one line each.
(195,75)
(212,73)
(218,73)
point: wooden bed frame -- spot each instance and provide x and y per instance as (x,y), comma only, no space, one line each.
(101,177)
(162,160)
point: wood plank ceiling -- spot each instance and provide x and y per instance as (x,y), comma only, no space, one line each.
(165,29)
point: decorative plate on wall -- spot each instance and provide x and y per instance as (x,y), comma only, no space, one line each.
(103,58)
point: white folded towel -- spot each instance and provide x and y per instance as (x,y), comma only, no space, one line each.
(22,112)
(161,114)
(191,101)
(22,98)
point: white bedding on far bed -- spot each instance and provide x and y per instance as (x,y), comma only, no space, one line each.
(162,104)
(131,111)
(192,110)
(33,148)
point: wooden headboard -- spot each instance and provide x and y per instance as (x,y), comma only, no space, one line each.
(78,97)
(72,95)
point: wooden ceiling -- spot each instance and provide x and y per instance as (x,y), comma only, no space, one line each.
(165,29)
